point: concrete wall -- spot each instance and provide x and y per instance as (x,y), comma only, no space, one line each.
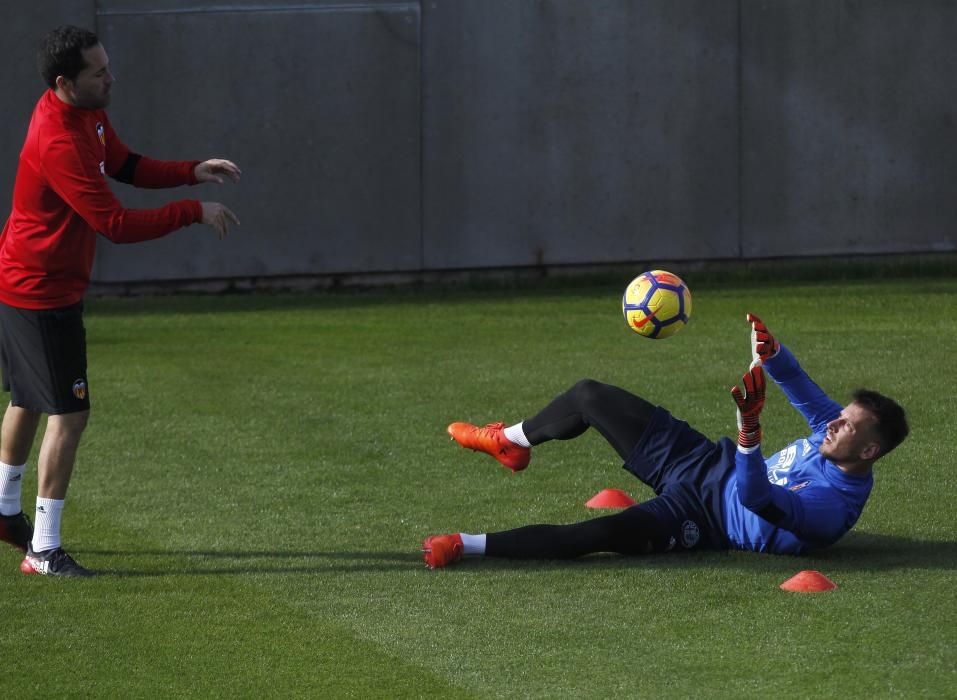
(849,126)
(320,106)
(385,136)
(564,132)
(20,84)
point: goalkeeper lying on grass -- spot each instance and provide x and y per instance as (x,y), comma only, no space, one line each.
(715,495)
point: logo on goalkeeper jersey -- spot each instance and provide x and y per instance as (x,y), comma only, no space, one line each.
(798,487)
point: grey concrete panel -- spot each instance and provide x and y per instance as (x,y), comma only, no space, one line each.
(849,126)
(552,131)
(579,132)
(24,24)
(144,7)
(319,105)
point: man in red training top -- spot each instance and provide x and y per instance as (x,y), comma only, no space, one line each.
(60,202)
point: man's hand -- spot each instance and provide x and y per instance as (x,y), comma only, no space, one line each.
(219,217)
(763,344)
(750,402)
(213,171)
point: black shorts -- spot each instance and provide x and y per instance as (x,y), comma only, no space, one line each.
(43,353)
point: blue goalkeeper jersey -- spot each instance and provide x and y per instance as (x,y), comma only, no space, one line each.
(795,500)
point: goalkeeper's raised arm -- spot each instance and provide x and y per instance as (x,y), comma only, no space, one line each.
(805,395)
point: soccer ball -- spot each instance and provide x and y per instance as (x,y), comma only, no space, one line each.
(656,304)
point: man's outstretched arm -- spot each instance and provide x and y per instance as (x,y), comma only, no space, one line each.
(806,396)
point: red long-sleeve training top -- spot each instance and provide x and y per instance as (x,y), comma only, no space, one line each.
(61,200)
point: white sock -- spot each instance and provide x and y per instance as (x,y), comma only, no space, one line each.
(11,480)
(517,435)
(472,545)
(46,524)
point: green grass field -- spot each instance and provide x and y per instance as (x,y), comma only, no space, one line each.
(259,472)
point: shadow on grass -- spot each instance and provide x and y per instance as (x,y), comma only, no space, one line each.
(274,562)
(860,551)
(867,551)
(317,300)
(857,552)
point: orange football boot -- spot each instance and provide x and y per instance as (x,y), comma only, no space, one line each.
(491,440)
(442,550)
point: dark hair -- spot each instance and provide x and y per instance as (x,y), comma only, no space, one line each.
(61,53)
(891,423)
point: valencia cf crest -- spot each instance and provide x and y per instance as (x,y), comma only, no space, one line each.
(79,389)
(690,534)
(101,133)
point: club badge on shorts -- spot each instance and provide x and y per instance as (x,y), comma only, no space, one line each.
(690,534)
(79,389)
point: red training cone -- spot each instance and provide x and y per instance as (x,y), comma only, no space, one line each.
(610,498)
(808,582)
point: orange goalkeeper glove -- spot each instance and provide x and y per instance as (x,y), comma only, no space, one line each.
(763,344)
(750,402)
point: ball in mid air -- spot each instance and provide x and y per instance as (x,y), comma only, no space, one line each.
(656,304)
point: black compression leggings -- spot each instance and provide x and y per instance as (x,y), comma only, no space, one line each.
(632,531)
(618,415)
(621,417)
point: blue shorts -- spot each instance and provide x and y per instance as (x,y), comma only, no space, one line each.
(687,472)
